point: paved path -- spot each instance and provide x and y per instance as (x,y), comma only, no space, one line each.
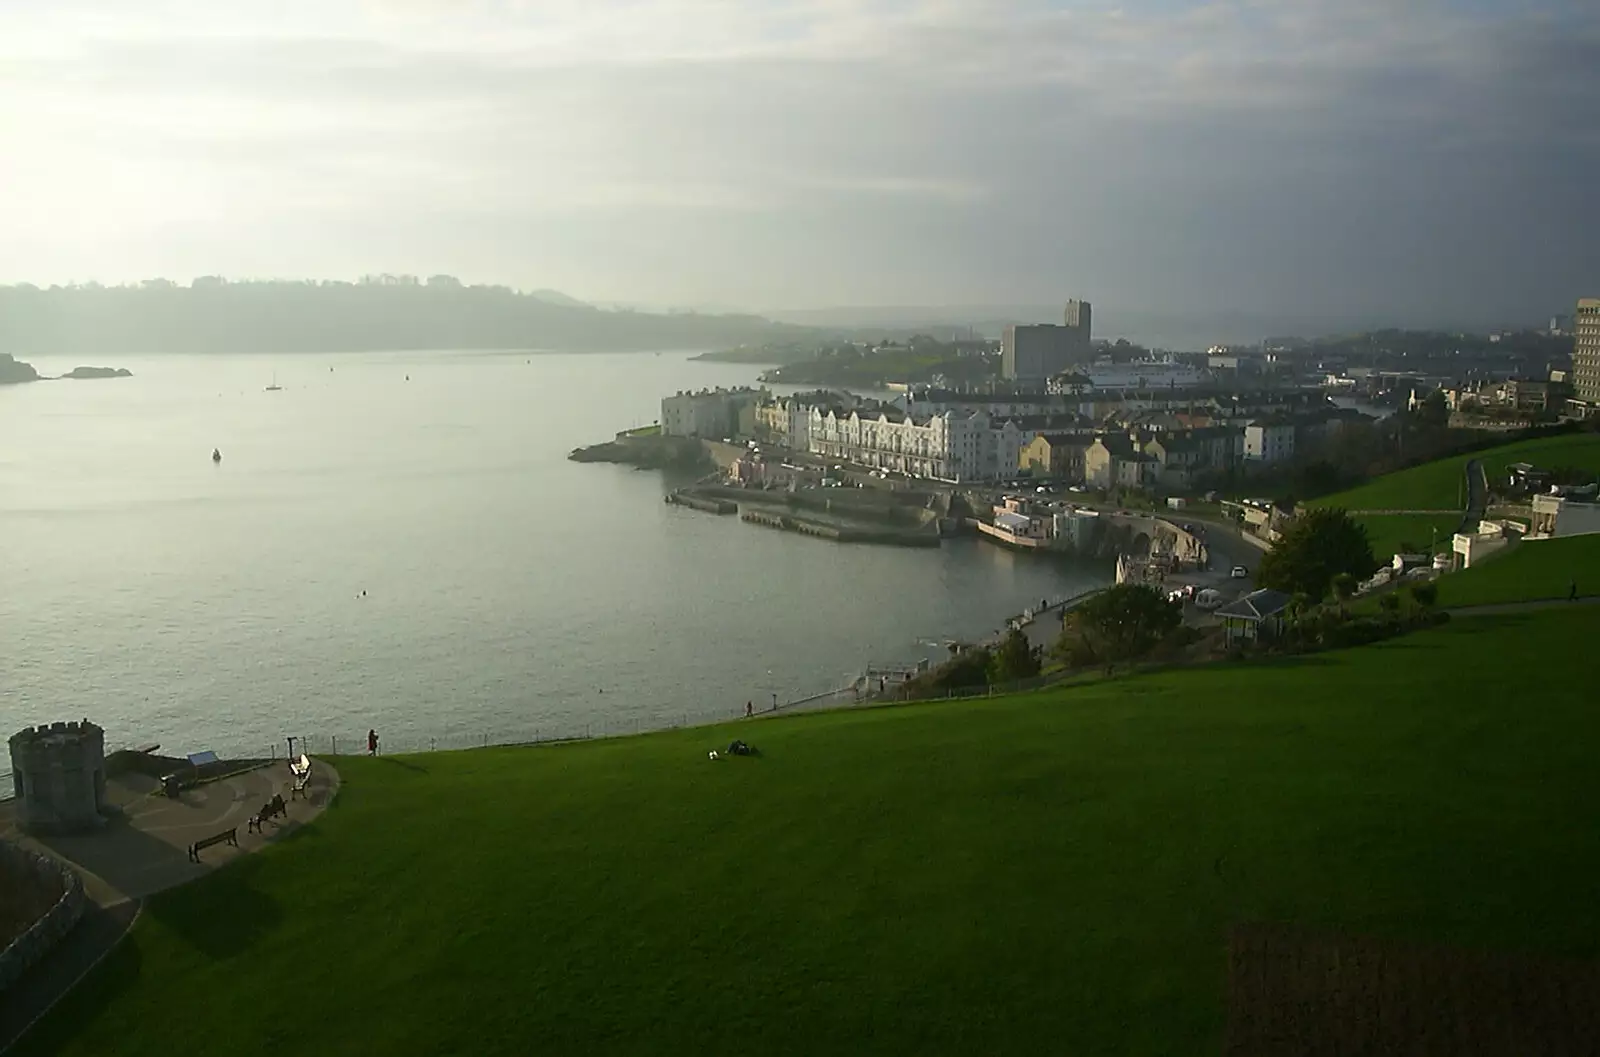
(142,850)
(1522,607)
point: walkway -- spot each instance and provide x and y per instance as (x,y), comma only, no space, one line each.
(1492,608)
(143,849)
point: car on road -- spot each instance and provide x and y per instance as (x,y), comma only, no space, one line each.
(1239,572)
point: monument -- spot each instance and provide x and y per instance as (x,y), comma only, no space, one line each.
(60,776)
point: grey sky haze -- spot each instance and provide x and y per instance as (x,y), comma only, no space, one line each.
(1422,159)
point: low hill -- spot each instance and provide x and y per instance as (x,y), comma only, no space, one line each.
(217,316)
(1061,872)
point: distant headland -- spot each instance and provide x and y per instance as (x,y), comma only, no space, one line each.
(379,313)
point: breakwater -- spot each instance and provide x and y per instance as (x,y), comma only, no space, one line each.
(838,533)
(709,504)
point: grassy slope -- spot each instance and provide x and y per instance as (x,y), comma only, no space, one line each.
(1535,570)
(1438,485)
(1041,874)
(1388,532)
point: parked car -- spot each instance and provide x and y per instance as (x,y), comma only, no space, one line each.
(1209,599)
(1239,572)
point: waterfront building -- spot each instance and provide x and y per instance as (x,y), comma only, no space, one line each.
(1034,353)
(1586,353)
(711,413)
(947,446)
(786,421)
(1020,524)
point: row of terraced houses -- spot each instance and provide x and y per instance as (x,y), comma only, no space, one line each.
(1136,440)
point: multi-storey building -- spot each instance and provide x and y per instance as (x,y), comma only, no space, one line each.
(948,446)
(1269,440)
(711,413)
(1586,352)
(1036,352)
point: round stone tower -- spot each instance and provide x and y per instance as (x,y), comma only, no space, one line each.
(60,777)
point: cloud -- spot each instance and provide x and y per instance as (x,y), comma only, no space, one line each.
(1243,150)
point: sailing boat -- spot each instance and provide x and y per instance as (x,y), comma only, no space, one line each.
(274,387)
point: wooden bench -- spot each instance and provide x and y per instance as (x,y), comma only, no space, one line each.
(270,809)
(227,836)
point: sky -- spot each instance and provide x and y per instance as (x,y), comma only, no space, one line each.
(1414,159)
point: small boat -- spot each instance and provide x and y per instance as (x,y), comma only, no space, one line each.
(274,387)
(216,454)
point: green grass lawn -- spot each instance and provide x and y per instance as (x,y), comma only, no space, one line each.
(1438,485)
(1047,873)
(1528,571)
(1389,532)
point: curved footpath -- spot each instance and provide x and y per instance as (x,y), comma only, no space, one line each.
(1489,609)
(142,850)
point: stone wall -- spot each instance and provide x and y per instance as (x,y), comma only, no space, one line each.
(38,939)
(60,777)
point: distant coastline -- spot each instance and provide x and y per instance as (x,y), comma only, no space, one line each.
(15,372)
(391,313)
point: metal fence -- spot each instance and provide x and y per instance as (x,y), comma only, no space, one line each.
(410,740)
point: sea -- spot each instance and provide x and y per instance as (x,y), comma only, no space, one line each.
(397,542)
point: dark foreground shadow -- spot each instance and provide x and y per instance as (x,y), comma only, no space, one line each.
(100,930)
(219,915)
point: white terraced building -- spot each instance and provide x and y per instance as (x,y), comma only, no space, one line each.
(949,445)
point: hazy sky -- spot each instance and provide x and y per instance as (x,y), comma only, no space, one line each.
(1419,157)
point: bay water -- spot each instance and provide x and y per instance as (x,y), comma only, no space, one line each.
(397,541)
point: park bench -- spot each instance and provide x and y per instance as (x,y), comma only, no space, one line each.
(270,809)
(300,767)
(227,836)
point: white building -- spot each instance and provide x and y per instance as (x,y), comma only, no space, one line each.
(1555,515)
(1268,441)
(949,446)
(786,421)
(712,413)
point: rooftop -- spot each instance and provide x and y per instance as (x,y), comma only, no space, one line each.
(1257,605)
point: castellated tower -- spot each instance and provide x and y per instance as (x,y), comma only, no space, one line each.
(60,777)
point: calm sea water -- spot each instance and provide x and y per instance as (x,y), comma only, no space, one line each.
(418,556)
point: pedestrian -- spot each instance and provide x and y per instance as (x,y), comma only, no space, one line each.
(372,743)
(749,709)
(1572,591)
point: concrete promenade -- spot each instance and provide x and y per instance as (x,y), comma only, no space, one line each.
(142,849)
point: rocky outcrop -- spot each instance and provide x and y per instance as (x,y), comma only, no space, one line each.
(647,453)
(37,939)
(98,372)
(13,370)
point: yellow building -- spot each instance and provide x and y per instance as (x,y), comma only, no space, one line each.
(1056,455)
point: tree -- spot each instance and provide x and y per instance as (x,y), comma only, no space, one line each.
(1434,412)
(1117,624)
(1317,546)
(1344,588)
(1013,659)
(1423,596)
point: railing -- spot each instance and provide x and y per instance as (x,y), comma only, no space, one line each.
(412,741)
(6,790)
